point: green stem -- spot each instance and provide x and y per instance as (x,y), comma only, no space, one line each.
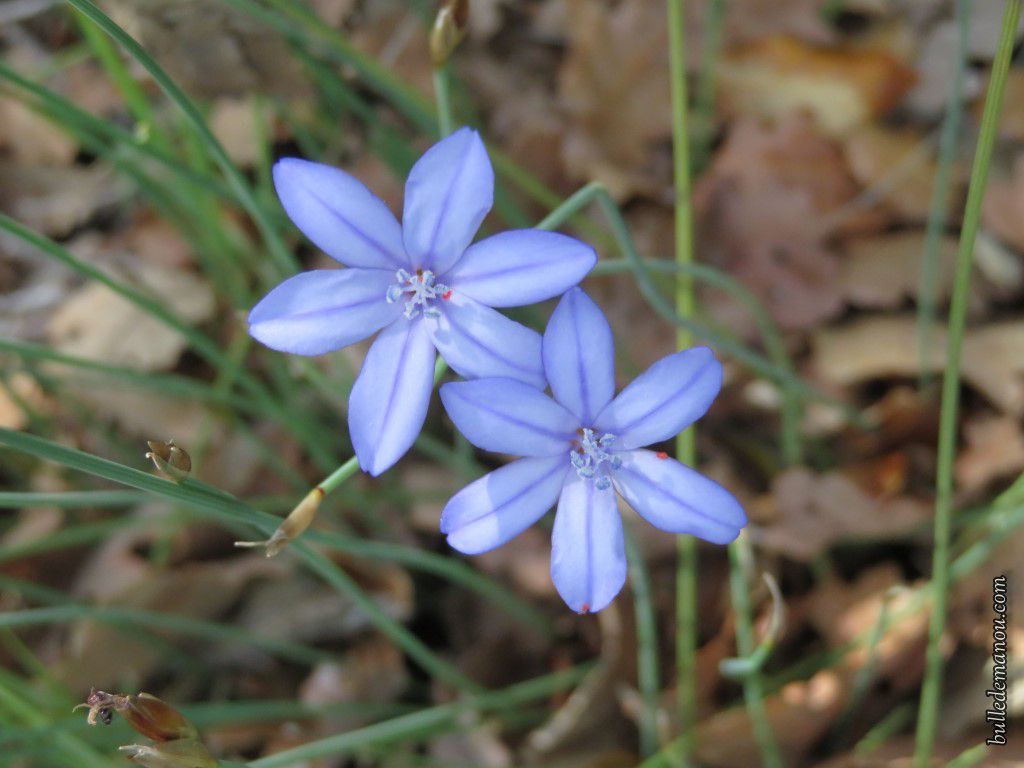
(937,213)
(231,512)
(424,722)
(647,646)
(686,447)
(303,514)
(927,721)
(442,93)
(753,689)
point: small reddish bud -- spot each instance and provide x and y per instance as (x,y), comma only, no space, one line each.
(155,718)
(584,609)
(177,742)
(144,712)
(446,295)
(661,455)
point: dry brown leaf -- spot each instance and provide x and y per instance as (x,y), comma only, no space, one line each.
(995,449)
(588,716)
(799,715)
(760,205)
(614,86)
(898,752)
(936,61)
(1011,118)
(32,139)
(479,745)
(525,116)
(896,167)
(808,513)
(393,33)
(56,199)
(235,123)
(883,271)
(118,575)
(841,88)
(333,12)
(887,347)
(371,670)
(98,324)
(847,611)
(305,609)
(213,49)
(156,240)
(524,562)
(22,388)
(750,20)
(1003,208)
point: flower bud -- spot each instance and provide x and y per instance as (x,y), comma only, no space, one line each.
(169,459)
(177,741)
(449,28)
(155,718)
(144,712)
(298,520)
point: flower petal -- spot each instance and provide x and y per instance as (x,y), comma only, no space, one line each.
(520,267)
(389,398)
(663,400)
(339,214)
(588,558)
(507,416)
(323,310)
(579,356)
(447,195)
(501,505)
(479,342)
(677,499)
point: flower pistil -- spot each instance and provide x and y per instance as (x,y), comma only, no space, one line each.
(590,458)
(419,290)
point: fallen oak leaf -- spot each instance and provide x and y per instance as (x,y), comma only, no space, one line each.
(806,513)
(843,88)
(887,347)
(995,448)
(897,167)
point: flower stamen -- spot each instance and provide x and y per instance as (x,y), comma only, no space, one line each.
(591,460)
(419,291)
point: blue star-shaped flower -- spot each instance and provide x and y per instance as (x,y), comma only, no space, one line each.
(421,282)
(578,447)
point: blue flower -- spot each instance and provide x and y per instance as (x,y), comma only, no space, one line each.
(578,447)
(421,282)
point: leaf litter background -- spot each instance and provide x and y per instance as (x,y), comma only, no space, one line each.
(814,176)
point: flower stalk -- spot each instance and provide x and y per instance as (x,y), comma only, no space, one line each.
(686,569)
(927,721)
(304,513)
(450,26)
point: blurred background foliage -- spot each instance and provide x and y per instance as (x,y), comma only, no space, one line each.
(831,142)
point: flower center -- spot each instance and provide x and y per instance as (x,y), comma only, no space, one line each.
(590,458)
(419,291)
